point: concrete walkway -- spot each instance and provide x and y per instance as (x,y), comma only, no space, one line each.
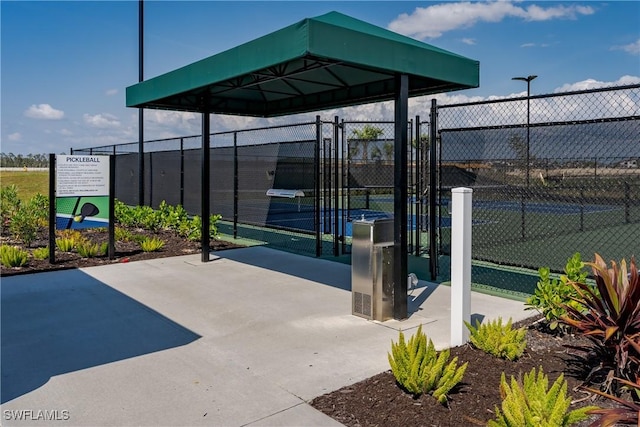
(245,340)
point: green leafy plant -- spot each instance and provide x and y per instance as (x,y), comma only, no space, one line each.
(25,224)
(171,216)
(191,228)
(419,368)
(123,214)
(552,295)
(39,204)
(497,339)
(532,404)
(12,256)
(610,318)
(151,244)
(88,249)
(9,203)
(40,253)
(627,412)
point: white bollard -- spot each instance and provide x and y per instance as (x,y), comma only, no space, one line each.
(461,199)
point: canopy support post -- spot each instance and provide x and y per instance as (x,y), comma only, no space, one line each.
(400,197)
(206,182)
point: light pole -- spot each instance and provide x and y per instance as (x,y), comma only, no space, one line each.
(527,79)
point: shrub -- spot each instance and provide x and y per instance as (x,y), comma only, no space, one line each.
(533,404)
(39,204)
(24,225)
(12,256)
(171,216)
(552,295)
(192,229)
(9,203)
(151,244)
(610,318)
(497,339)
(123,214)
(87,249)
(40,253)
(419,369)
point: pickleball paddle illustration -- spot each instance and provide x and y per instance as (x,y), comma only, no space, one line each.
(88,209)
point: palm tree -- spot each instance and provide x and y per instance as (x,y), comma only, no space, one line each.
(361,139)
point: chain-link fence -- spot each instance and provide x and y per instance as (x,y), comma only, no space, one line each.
(552,175)
(368,176)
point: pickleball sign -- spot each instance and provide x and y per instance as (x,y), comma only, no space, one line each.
(82,192)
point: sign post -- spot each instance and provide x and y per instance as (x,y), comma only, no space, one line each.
(82,190)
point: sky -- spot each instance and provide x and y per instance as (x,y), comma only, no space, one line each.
(65,66)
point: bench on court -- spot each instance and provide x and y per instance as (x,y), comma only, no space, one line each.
(289,194)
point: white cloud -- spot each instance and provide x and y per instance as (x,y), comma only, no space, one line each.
(632,48)
(65,132)
(101,121)
(169,124)
(44,111)
(433,21)
(469,41)
(111,92)
(594,84)
(16,136)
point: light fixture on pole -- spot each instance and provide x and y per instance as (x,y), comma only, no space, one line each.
(527,79)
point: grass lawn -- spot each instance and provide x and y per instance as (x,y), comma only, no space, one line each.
(28,182)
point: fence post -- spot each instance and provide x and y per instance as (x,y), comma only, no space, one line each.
(523,221)
(627,199)
(461,200)
(182,172)
(419,186)
(433,249)
(336,194)
(235,185)
(316,166)
(581,208)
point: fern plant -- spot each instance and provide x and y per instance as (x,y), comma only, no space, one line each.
(419,368)
(87,249)
(151,244)
(12,256)
(497,339)
(532,404)
(65,244)
(122,234)
(40,253)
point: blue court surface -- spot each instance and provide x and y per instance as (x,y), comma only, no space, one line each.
(538,207)
(517,205)
(304,221)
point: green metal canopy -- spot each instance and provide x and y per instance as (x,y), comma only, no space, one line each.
(329,61)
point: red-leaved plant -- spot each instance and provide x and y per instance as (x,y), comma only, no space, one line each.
(627,412)
(611,320)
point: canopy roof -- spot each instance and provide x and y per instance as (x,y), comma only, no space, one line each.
(329,61)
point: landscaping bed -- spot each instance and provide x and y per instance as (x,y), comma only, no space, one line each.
(379,400)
